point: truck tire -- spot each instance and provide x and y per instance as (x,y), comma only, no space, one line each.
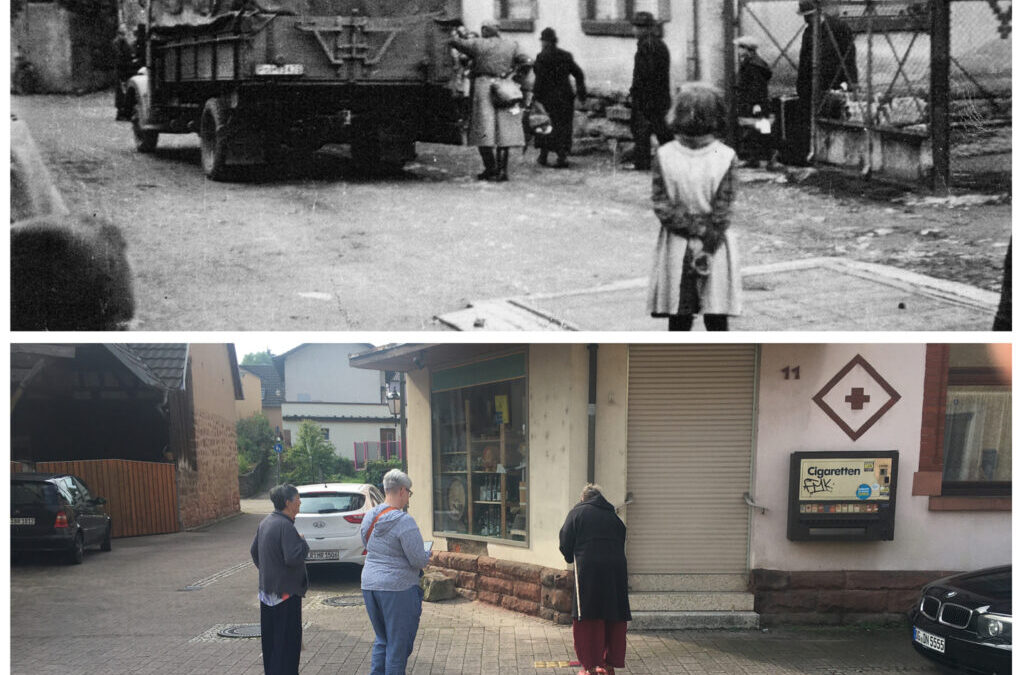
(145,140)
(213,142)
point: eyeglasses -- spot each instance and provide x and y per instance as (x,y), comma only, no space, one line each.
(410,492)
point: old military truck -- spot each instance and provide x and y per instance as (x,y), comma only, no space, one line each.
(259,78)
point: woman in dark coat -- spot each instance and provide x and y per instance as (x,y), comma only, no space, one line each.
(551,89)
(594,539)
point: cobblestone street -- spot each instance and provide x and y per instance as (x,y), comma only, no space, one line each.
(126,612)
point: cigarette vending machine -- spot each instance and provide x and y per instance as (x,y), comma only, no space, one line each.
(842,496)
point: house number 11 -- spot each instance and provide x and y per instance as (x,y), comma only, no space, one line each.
(794,371)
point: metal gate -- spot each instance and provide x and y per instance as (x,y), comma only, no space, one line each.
(869,84)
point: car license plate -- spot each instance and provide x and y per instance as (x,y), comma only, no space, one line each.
(930,641)
(322,555)
(23,521)
(273,69)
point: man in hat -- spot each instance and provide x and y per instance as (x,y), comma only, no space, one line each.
(837,62)
(752,101)
(551,88)
(650,91)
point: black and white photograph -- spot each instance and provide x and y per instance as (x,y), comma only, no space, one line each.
(526,165)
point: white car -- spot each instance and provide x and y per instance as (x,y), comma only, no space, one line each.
(330,516)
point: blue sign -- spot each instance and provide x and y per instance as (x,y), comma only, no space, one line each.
(278,448)
(863,491)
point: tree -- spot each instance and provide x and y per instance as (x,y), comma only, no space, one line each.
(376,468)
(258,359)
(311,459)
(255,440)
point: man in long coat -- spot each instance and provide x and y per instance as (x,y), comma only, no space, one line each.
(594,539)
(837,63)
(752,100)
(650,92)
(492,129)
(551,88)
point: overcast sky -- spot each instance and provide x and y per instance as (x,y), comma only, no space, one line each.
(253,344)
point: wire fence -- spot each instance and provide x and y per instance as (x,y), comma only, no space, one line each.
(890,84)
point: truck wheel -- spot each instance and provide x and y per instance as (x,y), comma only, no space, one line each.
(213,142)
(145,140)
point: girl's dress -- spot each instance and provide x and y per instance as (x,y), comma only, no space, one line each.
(693,187)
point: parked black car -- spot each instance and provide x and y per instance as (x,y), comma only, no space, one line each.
(965,622)
(56,513)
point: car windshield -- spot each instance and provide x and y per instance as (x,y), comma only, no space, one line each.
(331,502)
(30,493)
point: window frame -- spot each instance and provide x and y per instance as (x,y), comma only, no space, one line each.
(435,468)
(623,26)
(928,480)
(501,9)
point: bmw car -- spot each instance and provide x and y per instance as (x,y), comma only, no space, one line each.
(330,515)
(965,622)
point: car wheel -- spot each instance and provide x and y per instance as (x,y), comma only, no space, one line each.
(213,142)
(145,140)
(105,545)
(77,553)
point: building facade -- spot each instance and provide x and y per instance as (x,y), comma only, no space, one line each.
(345,402)
(696,445)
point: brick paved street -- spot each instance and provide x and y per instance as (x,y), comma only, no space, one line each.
(126,612)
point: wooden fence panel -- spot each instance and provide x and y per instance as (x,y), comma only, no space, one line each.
(141,496)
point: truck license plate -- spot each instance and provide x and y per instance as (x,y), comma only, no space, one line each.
(273,69)
(933,642)
(322,555)
(23,521)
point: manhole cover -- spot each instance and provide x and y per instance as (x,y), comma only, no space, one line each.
(245,630)
(344,600)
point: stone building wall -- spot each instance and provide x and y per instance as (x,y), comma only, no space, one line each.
(836,597)
(211,492)
(521,587)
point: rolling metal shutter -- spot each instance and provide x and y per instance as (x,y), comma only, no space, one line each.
(690,432)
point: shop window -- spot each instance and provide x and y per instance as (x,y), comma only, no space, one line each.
(967,427)
(516,15)
(480,454)
(615,17)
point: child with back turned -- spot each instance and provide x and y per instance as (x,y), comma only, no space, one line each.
(696,268)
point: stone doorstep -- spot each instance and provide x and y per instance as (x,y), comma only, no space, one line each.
(691,601)
(517,313)
(640,583)
(643,620)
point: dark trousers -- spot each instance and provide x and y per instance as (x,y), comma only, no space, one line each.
(712,322)
(645,124)
(599,642)
(281,635)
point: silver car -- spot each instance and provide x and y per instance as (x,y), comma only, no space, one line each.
(330,517)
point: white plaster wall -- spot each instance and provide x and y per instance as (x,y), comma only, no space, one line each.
(607,61)
(322,371)
(557,382)
(342,434)
(610,462)
(789,421)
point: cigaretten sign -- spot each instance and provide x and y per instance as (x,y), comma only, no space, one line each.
(856,478)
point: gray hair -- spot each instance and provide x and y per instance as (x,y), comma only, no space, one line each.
(396,478)
(282,494)
(591,490)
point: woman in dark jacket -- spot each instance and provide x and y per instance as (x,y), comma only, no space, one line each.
(594,539)
(551,89)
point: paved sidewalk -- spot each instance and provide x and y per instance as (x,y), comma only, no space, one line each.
(155,605)
(829,294)
(462,637)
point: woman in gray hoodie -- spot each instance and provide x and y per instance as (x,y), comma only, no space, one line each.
(395,558)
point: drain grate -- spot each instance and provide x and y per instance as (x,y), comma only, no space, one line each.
(245,630)
(344,600)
